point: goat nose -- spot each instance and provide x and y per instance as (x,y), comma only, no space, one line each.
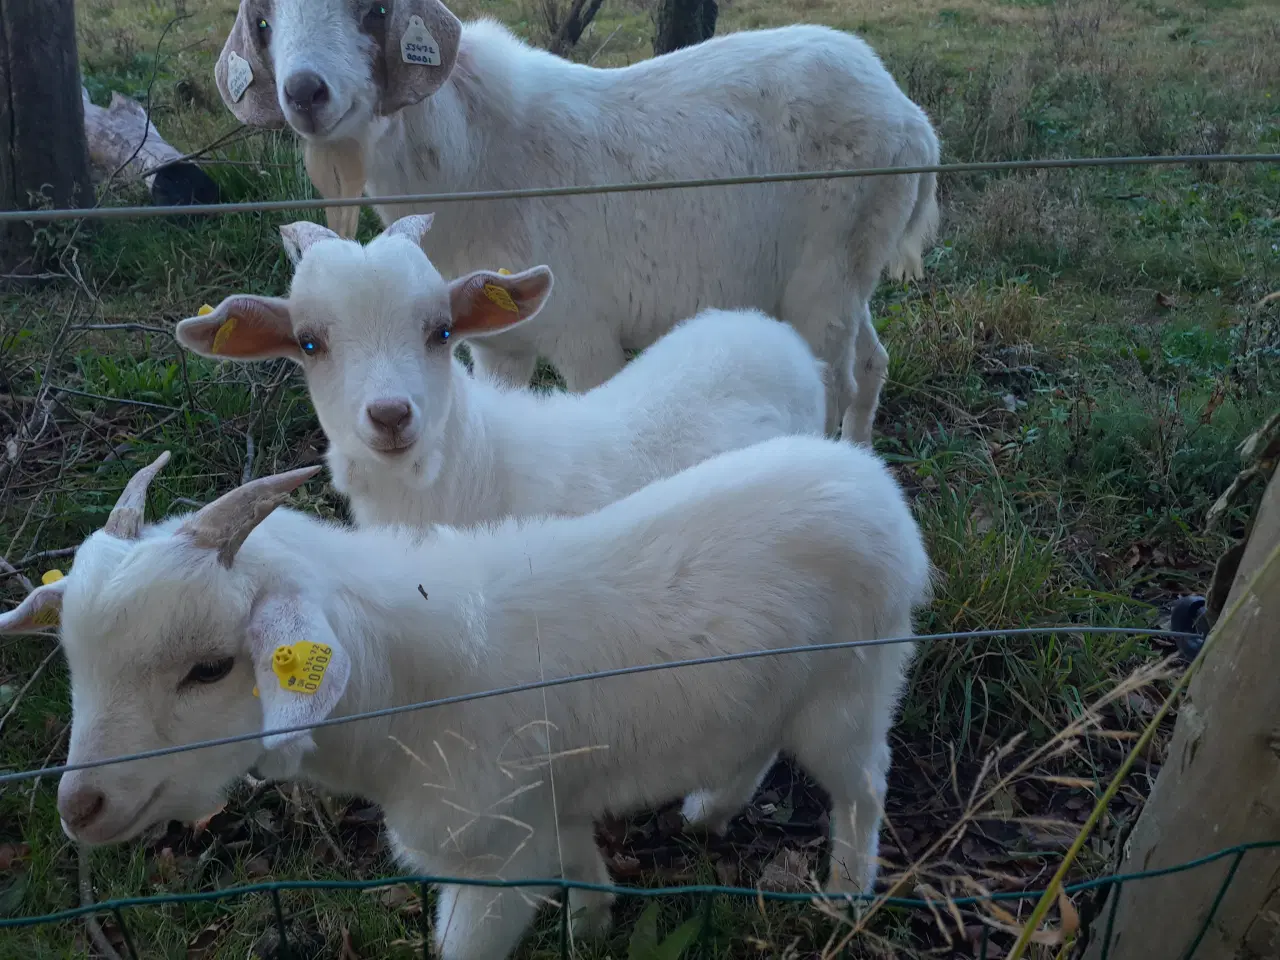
(390,415)
(306,91)
(81,807)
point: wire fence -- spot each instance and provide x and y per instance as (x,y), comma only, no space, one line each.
(829,905)
(531,193)
(117,908)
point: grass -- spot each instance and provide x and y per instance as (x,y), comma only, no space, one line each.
(1068,385)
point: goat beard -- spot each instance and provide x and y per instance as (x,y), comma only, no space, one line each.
(337,172)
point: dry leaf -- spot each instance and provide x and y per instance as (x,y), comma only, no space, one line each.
(1078,782)
(203,943)
(257,868)
(1070,916)
(12,854)
(348,951)
(788,872)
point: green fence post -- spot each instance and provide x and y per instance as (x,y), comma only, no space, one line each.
(1217,901)
(124,933)
(284,951)
(1116,887)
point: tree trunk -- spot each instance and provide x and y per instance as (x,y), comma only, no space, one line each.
(43,157)
(567,34)
(682,23)
(1219,788)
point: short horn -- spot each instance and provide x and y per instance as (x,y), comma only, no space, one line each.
(224,524)
(125,521)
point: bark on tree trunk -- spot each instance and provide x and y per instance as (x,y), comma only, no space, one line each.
(42,140)
(1219,787)
(568,33)
(682,23)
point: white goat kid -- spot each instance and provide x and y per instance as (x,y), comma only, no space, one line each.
(482,110)
(170,630)
(414,440)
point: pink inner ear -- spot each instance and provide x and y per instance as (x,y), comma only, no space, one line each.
(242,328)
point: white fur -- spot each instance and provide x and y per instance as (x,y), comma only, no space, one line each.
(484,452)
(631,265)
(480,451)
(792,541)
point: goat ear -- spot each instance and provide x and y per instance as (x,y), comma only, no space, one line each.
(244,79)
(419,52)
(298,237)
(297,682)
(39,611)
(242,327)
(485,302)
(413,227)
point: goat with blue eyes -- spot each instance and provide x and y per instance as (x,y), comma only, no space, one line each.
(244,619)
(415,440)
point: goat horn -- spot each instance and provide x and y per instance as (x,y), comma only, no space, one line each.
(224,524)
(125,521)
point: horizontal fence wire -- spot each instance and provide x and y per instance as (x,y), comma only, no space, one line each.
(545,683)
(647,893)
(529,193)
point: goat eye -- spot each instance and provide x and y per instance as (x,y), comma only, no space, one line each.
(439,336)
(263,26)
(308,346)
(209,671)
(377,12)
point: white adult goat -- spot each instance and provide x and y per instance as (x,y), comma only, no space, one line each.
(415,440)
(170,630)
(400,97)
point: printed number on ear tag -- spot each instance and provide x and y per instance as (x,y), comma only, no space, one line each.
(500,297)
(239,76)
(417,45)
(300,666)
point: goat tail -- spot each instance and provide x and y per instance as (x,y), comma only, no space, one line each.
(922,225)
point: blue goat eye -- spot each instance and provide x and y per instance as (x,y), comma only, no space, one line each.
(263,25)
(308,345)
(444,334)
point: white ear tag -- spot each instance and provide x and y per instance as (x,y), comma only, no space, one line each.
(239,75)
(418,45)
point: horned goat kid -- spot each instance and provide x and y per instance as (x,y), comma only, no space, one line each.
(399,97)
(415,440)
(170,631)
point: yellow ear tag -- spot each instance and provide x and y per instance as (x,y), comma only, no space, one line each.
(504,272)
(500,297)
(300,666)
(255,692)
(48,617)
(204,310)
(224,333)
